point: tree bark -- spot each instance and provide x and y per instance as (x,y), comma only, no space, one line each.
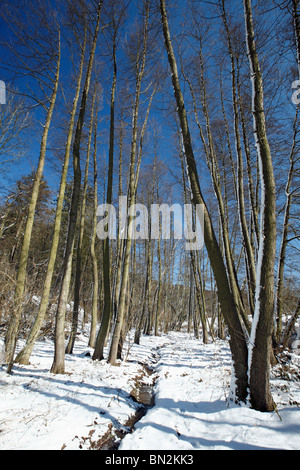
(261,335)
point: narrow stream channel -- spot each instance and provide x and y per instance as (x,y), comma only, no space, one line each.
(143,394)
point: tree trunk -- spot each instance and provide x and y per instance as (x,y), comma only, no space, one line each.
(252,196)
(93,331)
(194,275)
(78,274)
(297,30)
(284,239)
(290,327)
(108,302)
(118,269)
(138,330)
(158,298)
(262,327)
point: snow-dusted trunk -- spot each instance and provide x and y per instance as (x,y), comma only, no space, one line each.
(260,347)
(237,337)
(12,332)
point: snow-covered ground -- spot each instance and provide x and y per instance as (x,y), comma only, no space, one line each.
(39,410)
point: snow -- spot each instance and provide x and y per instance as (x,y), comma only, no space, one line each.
(43,411)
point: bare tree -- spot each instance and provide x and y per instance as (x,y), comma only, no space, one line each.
(40,49)
(93,330)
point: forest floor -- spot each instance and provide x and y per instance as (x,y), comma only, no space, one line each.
(90,406)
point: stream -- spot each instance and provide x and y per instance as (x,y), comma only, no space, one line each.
(143,394)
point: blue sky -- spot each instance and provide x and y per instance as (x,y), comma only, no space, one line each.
(166,149)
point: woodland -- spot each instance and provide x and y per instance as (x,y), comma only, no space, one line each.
(165,102)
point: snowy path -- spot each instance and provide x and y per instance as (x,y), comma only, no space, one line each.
(39,410)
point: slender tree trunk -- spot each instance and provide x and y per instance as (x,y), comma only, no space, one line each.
(253,199)
(148,275)
(214,171)
(120,241)
(262,327)
(195,274)
(93,331)
(12,332)
(144,298)
(191,311)
(108,302)
(158,298)
(18,238)
(284,239)
(240,172)
(78,271)
(159,287)
(289,194)
(58,366)
(297,30)
(125,275)
(24,355)
(237,337)
(199,298)
(290,327)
